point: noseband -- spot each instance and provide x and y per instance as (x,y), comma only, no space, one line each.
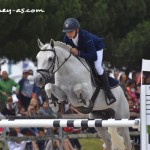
(51,68)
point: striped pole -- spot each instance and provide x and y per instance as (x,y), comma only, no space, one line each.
(69,123)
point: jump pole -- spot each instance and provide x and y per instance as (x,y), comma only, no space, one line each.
(69,123)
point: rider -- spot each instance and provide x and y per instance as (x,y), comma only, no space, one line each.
(90,47)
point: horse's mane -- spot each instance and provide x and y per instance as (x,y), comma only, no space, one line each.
(62,45)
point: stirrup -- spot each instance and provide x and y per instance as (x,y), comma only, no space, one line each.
(109,97)
(110,101)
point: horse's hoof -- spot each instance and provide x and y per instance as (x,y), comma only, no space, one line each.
(87,104)
(62,102)
(55,107)
(84,103)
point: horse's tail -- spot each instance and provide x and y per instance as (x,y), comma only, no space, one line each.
(117,140)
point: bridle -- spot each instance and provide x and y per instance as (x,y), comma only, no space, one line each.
(52,66)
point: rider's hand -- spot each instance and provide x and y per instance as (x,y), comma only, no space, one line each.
(74,51)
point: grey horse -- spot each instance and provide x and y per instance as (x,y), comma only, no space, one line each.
(73,83)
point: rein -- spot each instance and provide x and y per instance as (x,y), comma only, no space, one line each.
(83,64)
(89,70)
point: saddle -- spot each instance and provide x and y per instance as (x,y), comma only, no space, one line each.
(96,81)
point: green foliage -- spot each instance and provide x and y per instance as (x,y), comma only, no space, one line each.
(124,25)
(136,45)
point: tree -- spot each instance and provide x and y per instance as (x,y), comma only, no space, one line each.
(118,22)
(135,46)
(19,32)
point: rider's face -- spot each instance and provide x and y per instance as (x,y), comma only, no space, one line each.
(71,34)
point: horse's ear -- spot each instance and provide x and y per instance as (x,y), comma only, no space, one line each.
(52,43)
(40,44)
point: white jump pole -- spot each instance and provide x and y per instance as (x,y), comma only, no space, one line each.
(69,123)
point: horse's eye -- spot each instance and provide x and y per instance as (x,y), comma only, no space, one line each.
(50,59)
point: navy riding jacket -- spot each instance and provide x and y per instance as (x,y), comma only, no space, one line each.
(88,44)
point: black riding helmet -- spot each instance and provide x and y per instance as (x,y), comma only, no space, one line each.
(70,24)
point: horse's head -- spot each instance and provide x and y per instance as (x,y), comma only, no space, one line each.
(45,62)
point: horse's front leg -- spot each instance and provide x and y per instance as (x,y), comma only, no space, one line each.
(82,91)
(57,92)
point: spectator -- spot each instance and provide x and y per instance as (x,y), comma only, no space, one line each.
(22,112)
(19,134)
(147,80)
(74,141)
(30,145)
(8,108)
(32,81)
(56,143)
(116,74)
(133,101)
(134,113)
(136,76)
(45,110)
(6,85)
(134,107)
(40,142)
(66,144)
(31,111)
(122,82)
(30,131)
(34,103)
(26,91)
(16,145)
(130,89)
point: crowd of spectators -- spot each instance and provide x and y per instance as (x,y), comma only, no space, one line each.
(131,87)
(32,102)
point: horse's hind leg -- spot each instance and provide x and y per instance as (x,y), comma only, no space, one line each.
(124,132)
(103,133)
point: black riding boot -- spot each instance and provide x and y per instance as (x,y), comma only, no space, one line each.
(110,98)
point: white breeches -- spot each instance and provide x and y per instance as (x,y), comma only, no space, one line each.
(98,62)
